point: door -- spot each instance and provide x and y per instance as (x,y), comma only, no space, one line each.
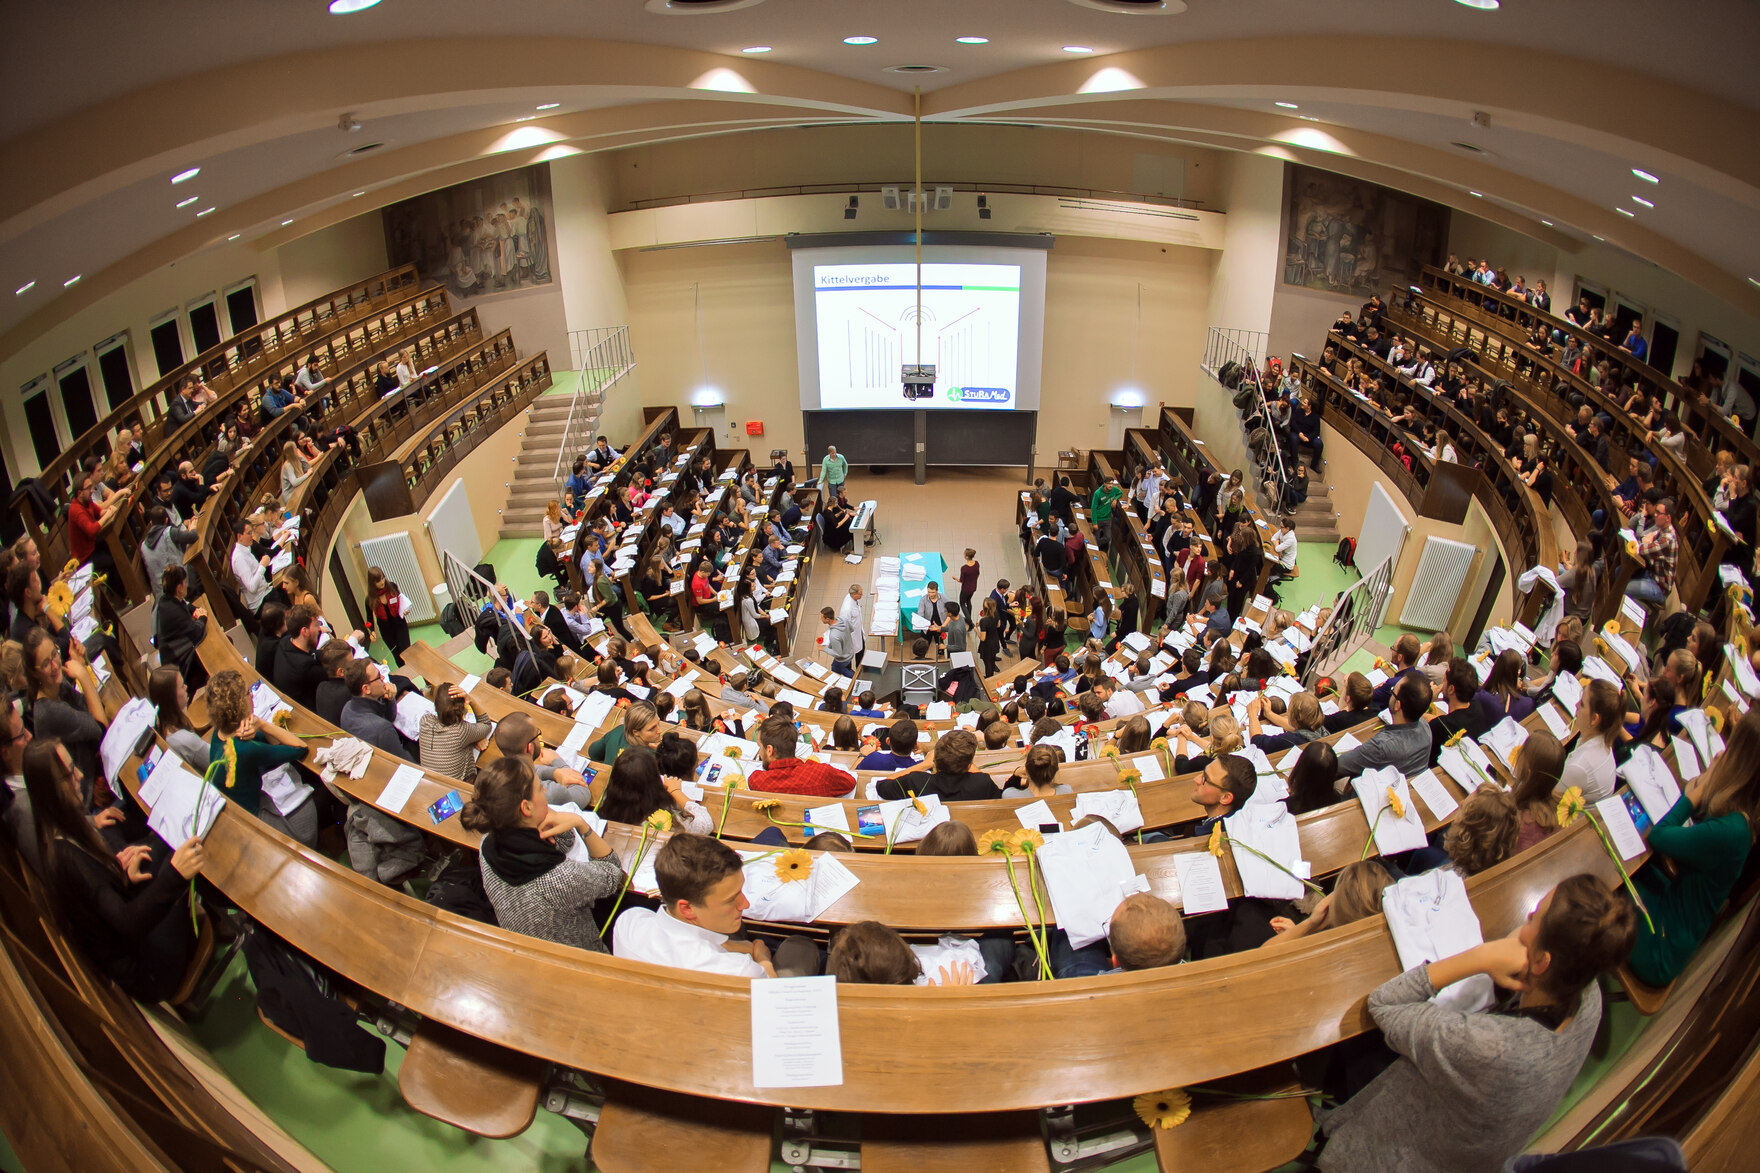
(167,344)
(76,397)
(204,324)
(1665,341)
(114,370)
(40,420)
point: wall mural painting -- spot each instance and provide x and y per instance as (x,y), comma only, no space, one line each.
(1351,237)
(488,236)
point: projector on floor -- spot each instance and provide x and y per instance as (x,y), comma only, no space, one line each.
(919,382)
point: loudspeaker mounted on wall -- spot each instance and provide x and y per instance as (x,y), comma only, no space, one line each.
(889,199)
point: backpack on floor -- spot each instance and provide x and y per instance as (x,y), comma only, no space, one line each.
(1347,553)
(450,623)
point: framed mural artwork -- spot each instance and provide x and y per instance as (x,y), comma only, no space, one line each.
(488,236)
(1347,236)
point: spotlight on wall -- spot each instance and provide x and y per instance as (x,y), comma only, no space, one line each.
(705,397)
(849,213)
(1129,398)
(983,207)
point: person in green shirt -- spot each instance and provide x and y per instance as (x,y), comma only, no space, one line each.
(641,727)
(244,748)
(1100,509)
(1724,804)
(833,471)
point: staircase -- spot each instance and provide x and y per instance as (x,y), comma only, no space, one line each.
(561,426)
(1315,519)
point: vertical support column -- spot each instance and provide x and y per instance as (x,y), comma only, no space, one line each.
(920,448)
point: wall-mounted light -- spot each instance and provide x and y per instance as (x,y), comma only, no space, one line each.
(1129,398)
(706,397)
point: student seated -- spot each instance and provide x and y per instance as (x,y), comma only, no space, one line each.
(1040,781)
(1590,764)
(869,953)
(897,743)
(1355,896)
(251,747)
(1460,685)
(1145,932)
(784,773)
(516,736)
(1406,652)
(1405,744)
(1484,831)
(637,788)
(1708,857)
(1358,704)
(702,893)
(952,778)
(1467,1091)
(1313,779)
(641,727)
(1225,786)
(1539,767)
(527,873)
(131,922)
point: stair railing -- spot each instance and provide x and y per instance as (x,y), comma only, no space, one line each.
(602,356)
(1247,349)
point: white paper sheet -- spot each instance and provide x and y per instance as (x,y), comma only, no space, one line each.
(1620,828)
(1200,882)
(830,882)
(796,1041)
(593,711)
(1345,744)
(1035,814)
(411,708)
(828,818)
(1555,721)
(1434,794)
(400,788)
(176,795)
(1393,833)
(125,732)
(1118,807)
(1650,779)
(1685,759)
(1082,871)
(1271,830)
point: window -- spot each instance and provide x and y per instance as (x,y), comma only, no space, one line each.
(204,323)
(241,306)
(1748,376)
(1596,294)
(40,420)
(76,396)
(1625,312)
(1714,355)
(115,370)
(1665,341)
(167,342)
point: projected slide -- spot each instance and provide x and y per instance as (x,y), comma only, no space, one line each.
(868,330)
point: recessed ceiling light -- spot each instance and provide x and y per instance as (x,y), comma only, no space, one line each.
(756,49)
(1645,175)
(1287,105)
(973,40)
(70,282)
(188,202)
(30,285)
(203,212)
(184,176)
(1602,239)
(1077,49)
(1627,212)
(1307,118)
(235,236)
(1478,195)
(1751,281)
(861,40)
(526,118)
(1482,5)
(285,223)
(357,195)
(344,7)
(1642,200)
(549,105)
(1548,223)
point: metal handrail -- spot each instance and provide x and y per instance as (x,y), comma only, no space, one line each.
(1247,347)
(468,590)
(604,348)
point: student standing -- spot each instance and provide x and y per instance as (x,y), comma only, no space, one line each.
(968,581)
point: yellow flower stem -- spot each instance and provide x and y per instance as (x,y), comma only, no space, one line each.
(1133,787)
(1317,889)
(1371,843)
(1625,876)
(1295,1094)
(1032,933)
(892,836)
(641,850)
(1039,903)
(726,803)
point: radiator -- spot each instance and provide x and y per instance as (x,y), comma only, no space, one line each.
(1436,588)
(395,554)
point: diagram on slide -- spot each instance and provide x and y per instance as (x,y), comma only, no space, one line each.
(868,328)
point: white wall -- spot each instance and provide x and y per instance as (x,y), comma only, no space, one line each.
(1252,243)
(314,265)
(592,293)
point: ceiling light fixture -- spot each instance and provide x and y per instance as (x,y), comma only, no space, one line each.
(344,7)
(285,223)
(235,236)
(185,176)
(1481,5)
(1077,49)
(1287,105)
(1478,195)
(188,202)
(1645,175)
(203,212)
(357,195)
(861,40)
(1548,223)
(526,118)
(70,282)
(549,105)
(1642,200)
(973,40)
(1627,212)
(756,49)
(1307,118)
(30,285)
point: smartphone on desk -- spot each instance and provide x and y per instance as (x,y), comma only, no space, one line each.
(445,807)
(1640,816)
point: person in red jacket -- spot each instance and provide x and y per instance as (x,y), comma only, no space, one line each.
(783,773)
(85,521)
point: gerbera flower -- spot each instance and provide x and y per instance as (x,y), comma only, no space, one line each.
(1215,844)
(1393,801)
(731,752)
(1027,838)
(766,804)
(996,842)
(794,864)
(921,807)
(1168,1109)
(659,822)
(1571,806)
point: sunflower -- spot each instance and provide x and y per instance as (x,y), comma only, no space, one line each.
(731,752)
(1393,801)
(1716,716)
(766,804)
(1130,777)
(996,842)
(1168,1109)
(283,718)
(1110,753)
(1027,839)
(659,822)
(794,864)
(59,599)
(1570,806)
(1214,847)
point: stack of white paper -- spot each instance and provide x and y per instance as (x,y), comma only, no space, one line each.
(1085,874)
(1118,807)
(1271,831)
(411,708)
(1652,781)
(1394,833)
(1431,918)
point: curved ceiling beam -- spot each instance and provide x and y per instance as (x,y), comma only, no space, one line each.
(1660,126)
(178,123)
